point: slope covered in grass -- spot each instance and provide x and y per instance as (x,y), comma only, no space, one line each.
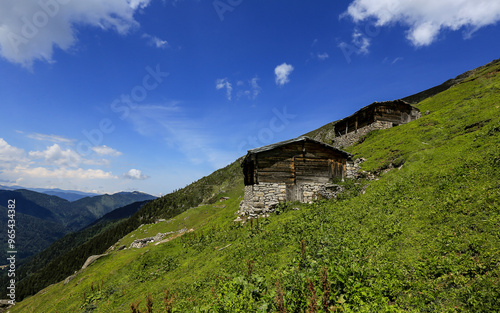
(424,237)
(55,268)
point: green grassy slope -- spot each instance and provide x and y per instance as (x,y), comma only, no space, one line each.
(70,241)
(206,190)
(424,237)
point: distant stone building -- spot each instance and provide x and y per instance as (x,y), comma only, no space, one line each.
(378,115)
(299,169)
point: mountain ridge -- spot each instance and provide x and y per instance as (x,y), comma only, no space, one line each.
(36,209)
(70,195)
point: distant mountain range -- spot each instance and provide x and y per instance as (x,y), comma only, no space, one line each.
(70,195)
(43,218)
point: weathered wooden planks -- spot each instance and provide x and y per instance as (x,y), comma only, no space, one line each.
(300,160)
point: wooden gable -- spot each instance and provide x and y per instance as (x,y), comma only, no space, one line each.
(294,161)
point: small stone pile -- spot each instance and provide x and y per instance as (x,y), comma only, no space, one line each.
(139,243)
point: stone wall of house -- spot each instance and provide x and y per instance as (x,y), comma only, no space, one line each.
(263,198)
(314,191)
(351,138)
(353,168)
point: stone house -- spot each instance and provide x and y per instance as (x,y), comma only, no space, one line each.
(300,169)
(378,115)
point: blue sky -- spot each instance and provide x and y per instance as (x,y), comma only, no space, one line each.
(152,95)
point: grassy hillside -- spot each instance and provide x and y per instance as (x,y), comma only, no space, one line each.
(424,237)
(70,241)
(206,190)
(42,219)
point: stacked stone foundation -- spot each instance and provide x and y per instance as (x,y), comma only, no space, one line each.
(351,138)
(261,199)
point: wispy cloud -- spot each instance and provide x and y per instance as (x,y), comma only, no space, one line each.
(155,41)
(254,85)
(251,90)
(361,41)
(359,44)
(189,136)
(322,56)
(396,60)
(223,83)
(427,19)
(51,138)
(282,74)
(61,173)
(105,150)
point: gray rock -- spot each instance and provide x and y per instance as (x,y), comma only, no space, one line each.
(92,259)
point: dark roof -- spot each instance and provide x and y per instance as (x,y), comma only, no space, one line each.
(298,139)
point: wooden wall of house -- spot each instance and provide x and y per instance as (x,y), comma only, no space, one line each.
(394,112)
(277,165)
(294,163)
(397,114)
(360,120)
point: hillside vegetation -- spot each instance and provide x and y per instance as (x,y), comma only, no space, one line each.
(69,242)
(44,218)
(423,237)
(39,272)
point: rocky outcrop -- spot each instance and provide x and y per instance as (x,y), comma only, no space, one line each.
(139,243)
(4,305)
(92,259)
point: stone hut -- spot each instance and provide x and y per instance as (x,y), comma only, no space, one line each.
(378,115)
(299,169)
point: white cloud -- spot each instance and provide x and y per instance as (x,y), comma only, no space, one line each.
(30,30)
(323,56)
(54,155)
(10,156)
(135,175)
(252,91)
(105,150)
(254,84)
(51,138)
(222,83)
(141,4)
(155,41)
(282,73)
(396,60)
(54,167)
(361,41)
(57,156)
(359,44)
(61,173)
(425,19)
(249,89)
